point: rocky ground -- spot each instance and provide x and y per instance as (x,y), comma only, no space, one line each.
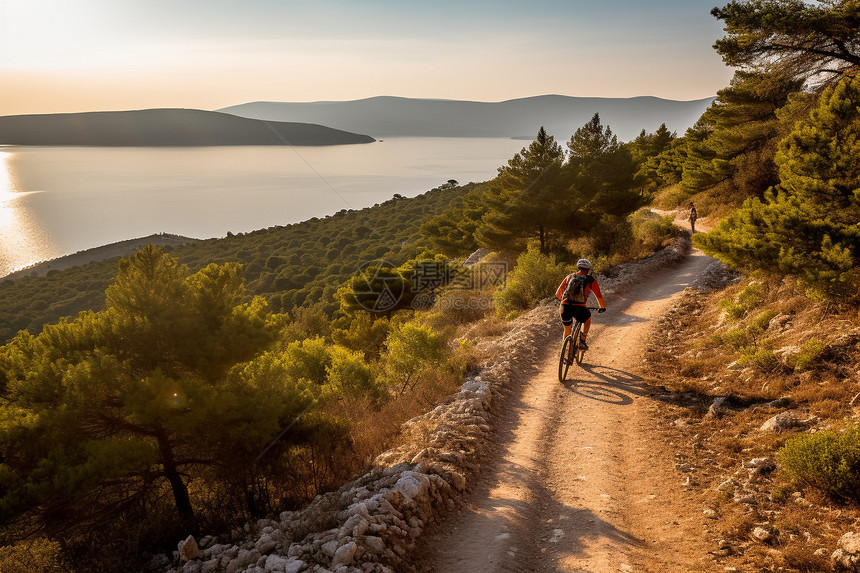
(729,417)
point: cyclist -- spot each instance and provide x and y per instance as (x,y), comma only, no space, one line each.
(693,216)
(570,309)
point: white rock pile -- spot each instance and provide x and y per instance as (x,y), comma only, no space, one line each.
(371,524)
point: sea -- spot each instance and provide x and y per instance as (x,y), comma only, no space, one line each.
(56,201)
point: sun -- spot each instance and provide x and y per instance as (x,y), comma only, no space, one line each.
(52,34)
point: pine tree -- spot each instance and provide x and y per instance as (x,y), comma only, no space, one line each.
(601,177)
(524,200)
(168,381)
(815,44)
(734,142)
(808,225)
(820,160)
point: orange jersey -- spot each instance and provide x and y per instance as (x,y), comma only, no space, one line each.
(592,285)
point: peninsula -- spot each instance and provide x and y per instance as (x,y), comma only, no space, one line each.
(165,127)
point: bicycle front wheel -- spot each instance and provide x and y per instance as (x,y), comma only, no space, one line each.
(564,358)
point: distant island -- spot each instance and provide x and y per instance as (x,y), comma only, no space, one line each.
(517,118)
(165,127)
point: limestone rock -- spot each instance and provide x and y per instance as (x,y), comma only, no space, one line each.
(717,407)
(188,549)
(476,257)
(265,544)
(344,555)
(275,563)
(847,554)
(781,422)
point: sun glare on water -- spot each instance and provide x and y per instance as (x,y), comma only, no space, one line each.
(22,241)
(7,214)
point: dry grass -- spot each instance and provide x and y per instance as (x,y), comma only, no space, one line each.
(670,197)
(805,356)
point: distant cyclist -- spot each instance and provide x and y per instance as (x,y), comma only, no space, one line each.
(573,293)
(693,216)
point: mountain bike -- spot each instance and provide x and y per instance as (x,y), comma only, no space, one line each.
(570,350)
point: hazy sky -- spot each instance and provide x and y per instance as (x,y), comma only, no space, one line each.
(83,55)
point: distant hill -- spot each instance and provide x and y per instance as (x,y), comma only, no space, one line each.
(164,127)
(119,249)
(517,118)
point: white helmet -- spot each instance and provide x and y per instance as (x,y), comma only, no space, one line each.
(583,264)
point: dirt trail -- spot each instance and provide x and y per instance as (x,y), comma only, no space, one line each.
(583,480)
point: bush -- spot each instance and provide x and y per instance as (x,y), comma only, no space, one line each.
(759,324)
(738,338)
(809,354)
(761,359)
(748,298)
(535,277)
(651,231)
(828,461)
(671,196)
(414,351)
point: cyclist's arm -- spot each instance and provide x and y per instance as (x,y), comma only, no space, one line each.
(560,291)
(596,290)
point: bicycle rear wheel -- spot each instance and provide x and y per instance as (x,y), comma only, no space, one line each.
(578,353)
(564,359)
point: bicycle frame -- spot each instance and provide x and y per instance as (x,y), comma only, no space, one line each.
(570,350)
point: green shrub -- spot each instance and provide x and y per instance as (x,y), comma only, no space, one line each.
(34,556)
(748,298)
(781,493)
(414,351)
(651,231)
(809,354)
(671,196)
(535,277)
(761,359)
(828,461)
(762,320)
(738,338)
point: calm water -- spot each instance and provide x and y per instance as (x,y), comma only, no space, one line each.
(59,200)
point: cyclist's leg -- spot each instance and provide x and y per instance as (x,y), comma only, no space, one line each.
(585,326)
(566,319)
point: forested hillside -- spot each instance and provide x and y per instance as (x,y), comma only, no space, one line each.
(289,266)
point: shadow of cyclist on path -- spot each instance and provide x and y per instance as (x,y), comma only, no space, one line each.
(606,384)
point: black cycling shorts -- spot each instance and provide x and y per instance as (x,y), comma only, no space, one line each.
(571,311)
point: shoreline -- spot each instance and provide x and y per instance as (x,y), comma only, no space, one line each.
(100,253)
